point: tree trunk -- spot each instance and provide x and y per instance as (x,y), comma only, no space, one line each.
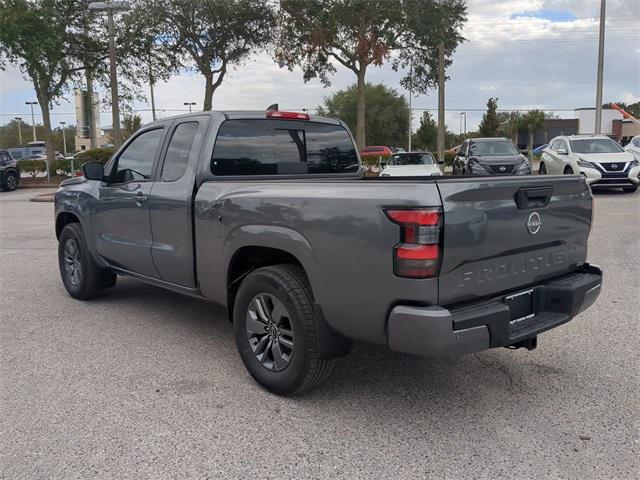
(530,144)
(93,140)
(208,92)
(362,107)
(48,137)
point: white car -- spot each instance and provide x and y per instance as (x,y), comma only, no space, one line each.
(411,164)
(600,159)
(634,147)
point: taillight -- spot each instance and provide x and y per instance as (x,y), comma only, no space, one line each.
(418,254)
(287,115)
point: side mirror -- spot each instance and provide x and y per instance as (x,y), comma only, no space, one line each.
(524,152)
(439,161)
(93,171)
(562,151)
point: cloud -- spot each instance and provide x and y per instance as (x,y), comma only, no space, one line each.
(528,53)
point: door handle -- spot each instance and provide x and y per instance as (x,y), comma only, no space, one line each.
(141,197)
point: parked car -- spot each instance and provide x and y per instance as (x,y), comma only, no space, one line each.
(490,156)
(376,151)
(35,156)
(411,164)
(634,147)
(538,150)
(269,214)
(601,160)
(9,173)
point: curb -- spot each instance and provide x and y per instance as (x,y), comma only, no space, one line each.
(39,185)
(45,197)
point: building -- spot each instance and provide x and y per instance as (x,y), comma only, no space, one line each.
(551,128)
(84,107)
(624,131)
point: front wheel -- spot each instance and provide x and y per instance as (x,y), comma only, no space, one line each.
(542,170)
(275,330)
(81,276)
(10,181)
(568,170)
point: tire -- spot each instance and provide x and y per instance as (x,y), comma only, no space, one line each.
(630,189)
(568,170)
(10,181)
(542,170)
(81,276)
(279,350)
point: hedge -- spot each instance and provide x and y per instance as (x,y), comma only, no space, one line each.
(32,167)
(101,155)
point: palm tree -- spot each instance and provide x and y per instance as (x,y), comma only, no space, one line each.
(533,120)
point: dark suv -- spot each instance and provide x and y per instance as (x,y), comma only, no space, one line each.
(490,156)
(9,174)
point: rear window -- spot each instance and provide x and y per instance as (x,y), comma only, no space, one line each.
(280,147)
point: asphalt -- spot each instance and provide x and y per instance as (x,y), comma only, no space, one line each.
(143,383)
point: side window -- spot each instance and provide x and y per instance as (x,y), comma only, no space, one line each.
(136,161)
(330,149)
(553,144)
(563,144)
(179,151)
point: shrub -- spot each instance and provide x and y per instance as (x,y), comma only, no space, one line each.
(63,166)
(448,158)
(33,167)
(101,155)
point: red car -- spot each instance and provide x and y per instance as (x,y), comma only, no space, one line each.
(376,151)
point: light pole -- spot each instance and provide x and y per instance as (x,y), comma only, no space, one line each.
(598,129)
(19,120)
(465,123)
(410,92)
(110,7)
(33,118)
(189,104)
(64,139)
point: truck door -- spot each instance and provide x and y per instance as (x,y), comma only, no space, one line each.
(120,215)
(171,202)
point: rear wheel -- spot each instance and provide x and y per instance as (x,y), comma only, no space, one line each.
(82,277)
(542,170)
(10,181)
(630,189)
(275,330)
(568,170)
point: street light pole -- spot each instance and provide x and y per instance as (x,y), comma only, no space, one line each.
(410,92)
(33,118)
(64,139)
(189,104)
(600,69)
(19,120)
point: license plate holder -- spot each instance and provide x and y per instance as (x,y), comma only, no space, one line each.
(521,306)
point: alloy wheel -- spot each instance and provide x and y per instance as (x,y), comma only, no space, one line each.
(11,182)
(72,262)
(270,332)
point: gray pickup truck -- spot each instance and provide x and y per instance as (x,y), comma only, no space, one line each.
(270,214)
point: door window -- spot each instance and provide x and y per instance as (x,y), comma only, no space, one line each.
(179,151)
(135,163)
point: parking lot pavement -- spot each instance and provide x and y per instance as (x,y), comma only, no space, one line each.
(144,383)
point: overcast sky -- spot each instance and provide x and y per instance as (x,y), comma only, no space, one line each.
(528,53)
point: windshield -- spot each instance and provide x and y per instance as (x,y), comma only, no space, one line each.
(412,159)
(490,148)
(595,145)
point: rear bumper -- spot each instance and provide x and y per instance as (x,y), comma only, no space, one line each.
(448,332)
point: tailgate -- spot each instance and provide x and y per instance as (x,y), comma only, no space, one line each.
(504,233)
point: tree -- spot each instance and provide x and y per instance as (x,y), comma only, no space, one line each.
(212,34)
(358,34)
(387,112)
(426,136)
(131,123)
(510,124)
(533,120)
(489,124)
(631,108)
(41,38)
